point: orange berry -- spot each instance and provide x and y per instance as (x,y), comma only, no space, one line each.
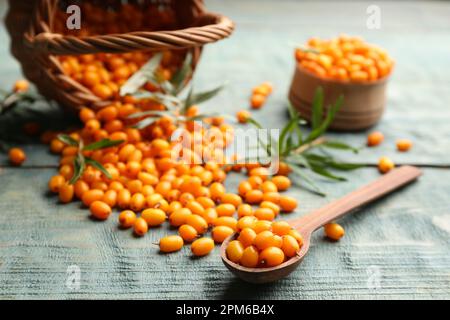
(220,233)
(290,246)
(80,188)
(66,193)
(271,257)
(244,187)
(154,217)
(273,197)
(140,227)
(231,198)
(257,101)
(56,146)
(261,226)
(245,210)
(55,183)
(281,228)
(100,210)
(202,247)
(272,206)
(179,217)
(282,182)
(127,219)
(247,237)
(255,182)
(288,204)
(21,86)
(385,165)
(334,231)
(171,244)
(243,116)
(17,156)
(137,202)
(188,233)
(269,186)
(264,240)
(197,222)
(265,214)
(374,139)
(124,198)
(235,251)
(404,145)
(254,196)
(225,210)
(92,196)
(250,257)
(226,221)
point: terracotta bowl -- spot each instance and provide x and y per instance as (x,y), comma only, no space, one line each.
(364,103)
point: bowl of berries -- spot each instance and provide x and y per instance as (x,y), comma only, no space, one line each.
(345,70)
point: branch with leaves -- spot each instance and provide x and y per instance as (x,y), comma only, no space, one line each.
(309,152)
(81,161)
(169,93)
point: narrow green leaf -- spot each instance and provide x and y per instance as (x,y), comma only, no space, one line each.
(340,146)
(198,98)
(103,144)
(317,108)
(79,166)
(146,73)
(325,173)
(306,179)
(328,120)
(284,134)
(180,78)
(345,166)
(98,166)
(150,114)
(66,139)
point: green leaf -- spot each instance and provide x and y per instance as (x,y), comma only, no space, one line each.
(294,114)
(284,134)
(180,78)
(98,166)
(325,173)
(66,139)
(198,98)
(326,123)
(145,123)
(345,166)
(340,146)
(150,114)
(103,144)
(317,108)
(79,166)
(146,73)
(308,181)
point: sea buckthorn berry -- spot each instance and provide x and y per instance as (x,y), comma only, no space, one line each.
(203,246)
(91,196)
(231,198)
(153,217)
(385,165)
(226,221)
(186,197)
(210,215)
(137,202)
(179,217)
(206,202)
(282,183)
(297,236)
(404,145)
(264,240)
(272,206)
(375,139)
(124,198)
(281,228)
(257,101)
(127,219)
(334,231)
(198,223)
(255,182)
(246,222)
(195,207)
(171,244)
(225,210)
(66,193)
(262,225)
(110,198)
(188,233)
(273,197)
(268,186)
(271,257)
(265,214)
(250,257)
(242,116)
(100,210)
(55,183)
(261,172)
(247,237)
(290,246)
(254,196)
(244,187)
(220,233)
(245,210)
(21,86)
(235,251)
(17,156)
(80,187)
(140,227)
(288,204)
(56,146)
(173,206)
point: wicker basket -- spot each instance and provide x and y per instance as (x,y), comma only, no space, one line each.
(36,45)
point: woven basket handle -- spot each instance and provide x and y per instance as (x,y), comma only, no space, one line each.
(214,27)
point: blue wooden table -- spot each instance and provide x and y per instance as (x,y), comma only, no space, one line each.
(394,249)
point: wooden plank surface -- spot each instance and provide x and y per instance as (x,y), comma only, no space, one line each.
(402,242)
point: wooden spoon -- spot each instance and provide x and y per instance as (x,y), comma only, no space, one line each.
(306,225)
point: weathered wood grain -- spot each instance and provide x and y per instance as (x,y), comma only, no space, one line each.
(404,238)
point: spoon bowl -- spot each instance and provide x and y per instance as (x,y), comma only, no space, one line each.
(306,225)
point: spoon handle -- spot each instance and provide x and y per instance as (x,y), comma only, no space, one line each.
(373,191)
